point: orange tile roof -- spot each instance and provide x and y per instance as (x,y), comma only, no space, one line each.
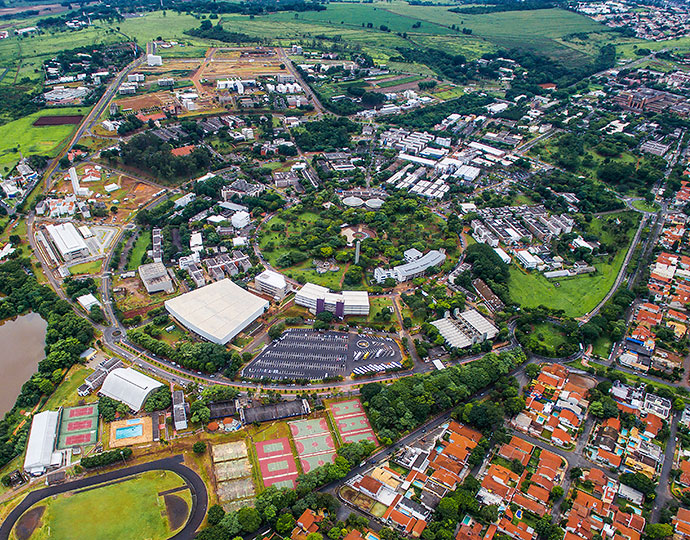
(529,504)
(418,528)
(562,436)
(182,150)
(538,493)
(609,457)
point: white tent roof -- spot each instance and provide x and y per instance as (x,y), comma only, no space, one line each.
(128,386)
(39,448)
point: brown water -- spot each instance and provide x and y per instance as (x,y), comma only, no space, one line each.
(21,341)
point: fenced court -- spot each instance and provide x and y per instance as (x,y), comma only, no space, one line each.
(344,408)
(228,451)
(311,462)
(273,448)
(78,426)
(276,462)
(315,444)
(230,470)
(305,428)
(352,423)
(232,490)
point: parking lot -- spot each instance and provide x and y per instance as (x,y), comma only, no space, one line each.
(309,354)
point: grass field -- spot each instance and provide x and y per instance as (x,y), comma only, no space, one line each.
(645,206)
(136,511)
(92,267)
(548,335)
(66,393)
(139,250)
(21,137)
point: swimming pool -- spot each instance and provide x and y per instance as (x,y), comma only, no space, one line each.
(467,520)
(371,536)
(129,431)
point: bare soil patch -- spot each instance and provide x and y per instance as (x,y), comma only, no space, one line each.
(29,522)
(177,510)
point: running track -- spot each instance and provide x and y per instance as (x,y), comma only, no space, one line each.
(174,464)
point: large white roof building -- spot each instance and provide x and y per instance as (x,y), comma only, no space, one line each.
(317,299)
(217,312)
(129,386)
(41,444)
(68,241)
(272,283)
(412,269)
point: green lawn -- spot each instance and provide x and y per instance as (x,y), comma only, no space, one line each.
(645,206)
(66,393)
(139,250)
(602,347)
(92,267)
(21,137)
(130,509)
(548,335)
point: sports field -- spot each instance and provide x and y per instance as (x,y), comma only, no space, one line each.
(351,421)
(276,463)
(129,509)
(314,442)
(78,426)
(233,472)
(304,428)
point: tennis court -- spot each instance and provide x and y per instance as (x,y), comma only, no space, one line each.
(306,428)
(343,408)
(315,444)
(231,490)
(273,448)
(76,412)
(352,423)
(78,426)
(313,461)
(82,438)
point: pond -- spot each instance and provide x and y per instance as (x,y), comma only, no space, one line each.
(21,341)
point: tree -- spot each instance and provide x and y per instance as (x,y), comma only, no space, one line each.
(547,530)
(275,330)
(556,493)
(249,519)
(199,447)
(658,531)
(353,276)
(215,514)
(285,524)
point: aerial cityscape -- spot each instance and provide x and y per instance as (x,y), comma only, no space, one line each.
(345,270)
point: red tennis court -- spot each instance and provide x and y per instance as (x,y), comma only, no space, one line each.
(273,448)
(78,439)
(79,425)
(80,411)
(277,466)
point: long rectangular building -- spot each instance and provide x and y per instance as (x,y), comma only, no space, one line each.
(412,269)
(317,299)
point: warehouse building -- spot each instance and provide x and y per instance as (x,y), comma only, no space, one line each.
(40,448)
(155,278)
(271,283)
(68,241)
(87,301)
(217,312)
(468,328)
(317,299)
(128,386)
(411,269)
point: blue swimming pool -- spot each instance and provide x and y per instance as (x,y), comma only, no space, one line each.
(371,536)
(129,431)
(467,520)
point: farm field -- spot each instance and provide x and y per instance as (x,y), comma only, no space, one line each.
(21,137)
(140,511)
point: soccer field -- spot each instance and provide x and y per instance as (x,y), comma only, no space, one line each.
(129,509)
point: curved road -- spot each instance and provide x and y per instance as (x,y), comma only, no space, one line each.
(174,464)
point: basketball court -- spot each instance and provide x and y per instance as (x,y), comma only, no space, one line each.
(352,423)
(305,428)
(315,444)
(311,462)
(344,408)
(78,426)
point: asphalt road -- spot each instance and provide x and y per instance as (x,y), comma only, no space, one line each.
(174,464)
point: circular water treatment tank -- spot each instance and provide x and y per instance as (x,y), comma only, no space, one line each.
(353,201)
(374,204)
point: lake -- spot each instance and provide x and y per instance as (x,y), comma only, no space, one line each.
(21,341)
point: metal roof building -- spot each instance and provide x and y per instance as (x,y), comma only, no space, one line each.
(68,241)
(129,386)
(469,328)
(179,412)
(41,444)
(412,269)
(217,312)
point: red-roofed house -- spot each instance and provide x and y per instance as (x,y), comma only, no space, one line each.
(182,150)
(561,437)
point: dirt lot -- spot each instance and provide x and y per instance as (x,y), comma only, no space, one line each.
(58,120)
(146,102)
